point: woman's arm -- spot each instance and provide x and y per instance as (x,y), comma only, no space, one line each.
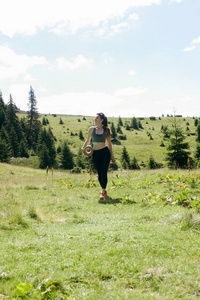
(110,147)
(88,138)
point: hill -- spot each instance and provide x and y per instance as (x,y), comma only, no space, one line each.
(141,143)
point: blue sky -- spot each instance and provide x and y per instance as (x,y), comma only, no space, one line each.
(132,58)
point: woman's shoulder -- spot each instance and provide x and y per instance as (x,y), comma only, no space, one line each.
(91,128)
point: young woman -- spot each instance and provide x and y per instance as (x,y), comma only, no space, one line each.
(102,154)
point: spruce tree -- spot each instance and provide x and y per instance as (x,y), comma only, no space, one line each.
(134,123)
(23,149)
(46,142)
(44,157)
(113,131)
(134,165)
(2,110)
(81,137)
(5,153)
(33,123)
(120,121)
(198,133)
(196,122)
(14,142)
(140,125)
(119,128)
(66,157)
(177,154)
(125,159)
(13,128)
(79,161)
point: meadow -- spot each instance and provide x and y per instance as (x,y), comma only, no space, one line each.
(59,241)
(141,143)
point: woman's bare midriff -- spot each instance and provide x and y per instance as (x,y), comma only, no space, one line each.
(98,146)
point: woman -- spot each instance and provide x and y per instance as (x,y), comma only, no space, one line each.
(102,154)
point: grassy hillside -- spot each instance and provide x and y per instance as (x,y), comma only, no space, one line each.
(138,142)
(57,241)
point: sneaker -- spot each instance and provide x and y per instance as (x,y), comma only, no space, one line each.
(103,195)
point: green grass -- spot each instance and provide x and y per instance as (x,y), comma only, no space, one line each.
(58,241)
(138,143)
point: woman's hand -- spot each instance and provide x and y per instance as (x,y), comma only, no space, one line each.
(112,160)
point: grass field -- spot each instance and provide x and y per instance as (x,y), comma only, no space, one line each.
(138,142)
(58,241)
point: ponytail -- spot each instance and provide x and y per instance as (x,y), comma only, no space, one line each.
(105,123)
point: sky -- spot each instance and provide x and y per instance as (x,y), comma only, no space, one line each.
(124,58)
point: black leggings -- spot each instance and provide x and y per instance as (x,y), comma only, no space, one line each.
(101,160)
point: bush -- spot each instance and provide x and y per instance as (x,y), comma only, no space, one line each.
(76,170)
(152,164)
(122,137)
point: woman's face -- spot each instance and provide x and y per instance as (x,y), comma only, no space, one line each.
(98,120)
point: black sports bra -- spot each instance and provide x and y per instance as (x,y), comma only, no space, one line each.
(98,138)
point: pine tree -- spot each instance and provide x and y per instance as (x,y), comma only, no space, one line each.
(61,121)
(134,123)
(33,123)
(23,149)
(198,133)
(46,142)
(113,130)
(44,123)
(197,153)
(134,165)
(13,128)
(152,163)
(2,110)
(119,128)
(66,157)
(140,125)
(79,161)
(44,157)
(81,137)
(120,121)
(5,153)
(125,159)
(14,142)
(177,154)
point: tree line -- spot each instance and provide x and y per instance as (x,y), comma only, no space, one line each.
(29,136)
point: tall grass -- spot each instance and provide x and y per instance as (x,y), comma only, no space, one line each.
(58,241)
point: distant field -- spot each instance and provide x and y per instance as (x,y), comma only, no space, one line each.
(138,143)
(58,241)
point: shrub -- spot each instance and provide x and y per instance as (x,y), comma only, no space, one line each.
(76,170)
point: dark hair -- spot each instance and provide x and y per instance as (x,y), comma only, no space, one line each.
(105,123)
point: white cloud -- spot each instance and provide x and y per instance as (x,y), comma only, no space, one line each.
(108,29)
(130,91)
(133,17)
(188,49)
(196,41)
(13,65)
(175,1)
(62,15)
(78,62)
(132,73)
(20,94)
(118,27)
(29,78)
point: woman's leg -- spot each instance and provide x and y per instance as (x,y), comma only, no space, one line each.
(97,163)
(105,160)
(101,160)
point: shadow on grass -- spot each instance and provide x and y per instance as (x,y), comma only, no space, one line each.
(109,200)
